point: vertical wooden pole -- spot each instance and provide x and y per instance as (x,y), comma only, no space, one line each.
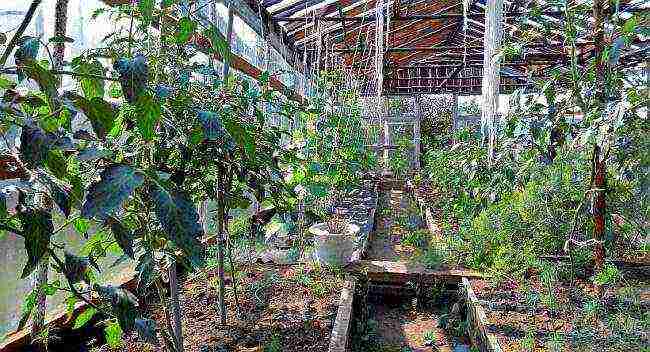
(416,134)
(220,243)
(491,68)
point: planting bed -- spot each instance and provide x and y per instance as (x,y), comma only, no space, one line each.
(405,318)
(283,308)
(548,314)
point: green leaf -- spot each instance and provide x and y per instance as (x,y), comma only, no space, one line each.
(123,305)
(185,29)
(212,128)
(630,25)
(57,163)
(26,309)
(81,225)
(45,79)
(113,334)
(58,191)
(6,83)
(123,236)
(37,230)
(146,270)
(84,318)
(70,303)
(219,43)
(116,184)
(243,137)
(148,112)
(178,217)
(35,145)
(91,87)
(75,267)
(146,10)
(100,113)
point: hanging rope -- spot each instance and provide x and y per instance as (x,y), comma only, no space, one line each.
(466,5)
(379,52)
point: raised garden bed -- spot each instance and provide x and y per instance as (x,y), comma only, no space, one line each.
(434,317)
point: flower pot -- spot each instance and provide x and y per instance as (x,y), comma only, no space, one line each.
(334,248)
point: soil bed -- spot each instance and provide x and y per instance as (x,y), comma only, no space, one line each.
(546,314)
(399,323)
(283,308)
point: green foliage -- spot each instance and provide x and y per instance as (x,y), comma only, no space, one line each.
(332,130)
(417,238)
(179,219)
(608,276)
(113,334)
(37,231)
(275,345)
(91,86)
(116,184)
(84,317)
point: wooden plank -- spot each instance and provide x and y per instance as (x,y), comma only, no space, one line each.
(339,341)
(402,272)
(479,333)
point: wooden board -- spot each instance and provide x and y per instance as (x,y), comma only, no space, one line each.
(479,333)
(402,272)
(339,341)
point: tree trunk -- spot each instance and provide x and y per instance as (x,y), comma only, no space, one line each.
(60,30)
(599,162)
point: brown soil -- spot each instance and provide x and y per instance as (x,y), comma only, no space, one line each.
(402,326)
(281,306)
(534,318)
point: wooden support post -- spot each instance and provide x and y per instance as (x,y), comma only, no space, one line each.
(454,112)
(416,134)
(491,68)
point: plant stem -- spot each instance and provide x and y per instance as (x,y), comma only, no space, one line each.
(176,306)
(19,33)
(220,216)
(599,161)
(232,274)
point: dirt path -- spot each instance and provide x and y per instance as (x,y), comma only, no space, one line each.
(398,324)
(397,219)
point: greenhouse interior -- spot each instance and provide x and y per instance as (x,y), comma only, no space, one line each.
(324,175)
